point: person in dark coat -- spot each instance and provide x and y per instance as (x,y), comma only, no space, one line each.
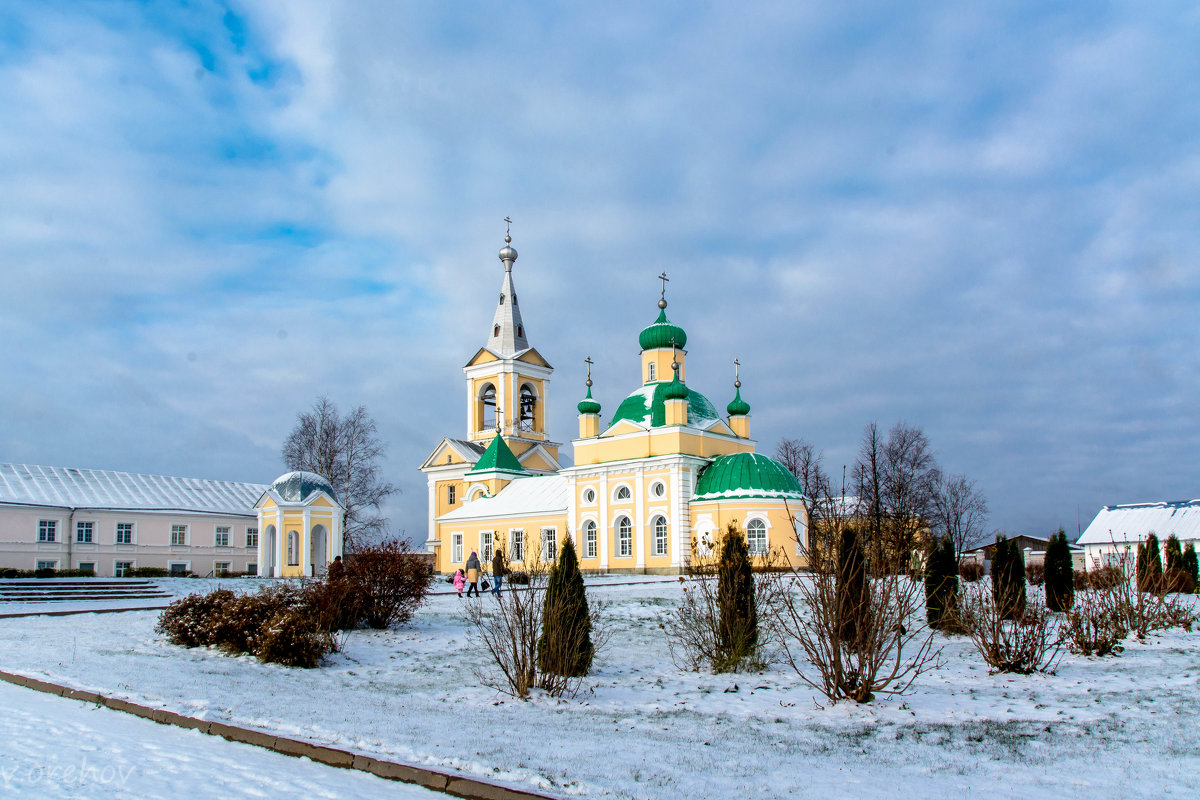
(473,574)
(499,570)
(337,570)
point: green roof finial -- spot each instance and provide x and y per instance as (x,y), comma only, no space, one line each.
(739,407)
(587,405)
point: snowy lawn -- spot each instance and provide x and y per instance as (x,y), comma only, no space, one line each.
(1124,726)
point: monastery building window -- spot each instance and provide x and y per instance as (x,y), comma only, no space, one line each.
(589,539)
(660,536)
(756,537)
(624,537)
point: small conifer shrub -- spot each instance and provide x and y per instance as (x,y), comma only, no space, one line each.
(565,646)
(1059,571)
(737,624)
(1008,579)
(1149,566)
(941,585)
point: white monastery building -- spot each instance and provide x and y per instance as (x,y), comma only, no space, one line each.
(1113,536)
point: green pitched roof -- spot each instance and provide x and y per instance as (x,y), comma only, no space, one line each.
(498,458)
(647,407)
(746,475)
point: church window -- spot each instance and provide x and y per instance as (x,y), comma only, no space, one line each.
(589,539)
(516,550)
(549,544)
(660,536)
(521,330)
(624,537)
(456,548)
(623,493)
(589,496)
(293,549)
(502,299)
(485,546)
(650,371)
(756,537)
(450,494)
(496,331)
(487,417)
(658,489)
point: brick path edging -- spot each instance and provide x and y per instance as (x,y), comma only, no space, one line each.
(456,785)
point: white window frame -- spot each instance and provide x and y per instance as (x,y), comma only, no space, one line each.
(222,569)
(252,568)
(662,533)
(589,496)
(47,530)
(91,564)
(589,538)
(516,545)
(650,372)
(623,487)
(128,532)
(187,567)
(179,535)
(624,536)
(121,569)
(251,537)
(85,525)
(46,564)
(658,489)
(456,548)
(549,544)
(450,494)
(758,525)
(487,545)
(218,532)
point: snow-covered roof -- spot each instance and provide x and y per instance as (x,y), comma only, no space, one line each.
(538,495)
(1134,522)
(68,487)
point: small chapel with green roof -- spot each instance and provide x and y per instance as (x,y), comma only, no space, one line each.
(647,490)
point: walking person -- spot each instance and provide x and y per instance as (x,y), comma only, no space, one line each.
(499,570)
(460,581)
(473,574)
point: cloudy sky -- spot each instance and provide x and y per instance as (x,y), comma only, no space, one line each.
(984,221)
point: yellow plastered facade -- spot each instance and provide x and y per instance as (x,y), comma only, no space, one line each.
(298,539)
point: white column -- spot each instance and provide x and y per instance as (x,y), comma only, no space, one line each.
(639,522)
(604,530)
(306,544)
(432,506)
(280,541)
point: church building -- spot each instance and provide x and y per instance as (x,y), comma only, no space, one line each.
(663,477)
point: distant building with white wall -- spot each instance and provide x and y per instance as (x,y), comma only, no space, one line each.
(112,522)
(1116,531)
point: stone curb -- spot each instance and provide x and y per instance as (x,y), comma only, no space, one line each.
(66,612)
(446,783)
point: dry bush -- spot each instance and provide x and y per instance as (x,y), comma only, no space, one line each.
(239,622)
(970,571)
(508,628)
(390,580)
(1178,580)
(877,644)
(696,637)
(1035,574)
(188,622)
(291,638)
(1103,578)
(1095,626)
(1029,643)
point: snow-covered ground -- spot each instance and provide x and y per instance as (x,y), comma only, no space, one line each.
(1124,726)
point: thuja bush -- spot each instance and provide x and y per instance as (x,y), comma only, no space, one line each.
(565,647)
(941,586)
(1149,566)
(737,625)
(1176,577)
(1191,565)
(1060,577)
(1008,579)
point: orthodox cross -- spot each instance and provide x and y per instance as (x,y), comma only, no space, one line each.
(589,362)
(507,225)
(663,277)
(674,350)
(737,382)
(499,417)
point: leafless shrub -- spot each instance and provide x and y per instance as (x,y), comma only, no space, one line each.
(1029,643)
(970,571)
(876,644)
(1100,578)
(388,582)
(508,628)
(1035,573)
(1095,626)
(695,636)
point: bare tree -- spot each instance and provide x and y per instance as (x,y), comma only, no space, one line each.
(826,511)
(346,452)
(897,482)
(960,512)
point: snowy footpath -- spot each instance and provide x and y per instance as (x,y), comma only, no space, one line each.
(1124,727)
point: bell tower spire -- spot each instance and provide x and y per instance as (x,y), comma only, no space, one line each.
(507,337)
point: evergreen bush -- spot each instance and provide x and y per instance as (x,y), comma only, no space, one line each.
(941,585)
(1060,574)
(737,624)
(1176,576)
(852,591)
(1191,565)
(1008,579)
(565,646)
(1149,566)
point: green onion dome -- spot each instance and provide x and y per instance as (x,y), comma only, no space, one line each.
(676,390)
(744,476)
(661,333)
(587,405)
(647,407)
(739,407)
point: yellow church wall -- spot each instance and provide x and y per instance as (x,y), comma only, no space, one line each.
(536,461)
(657,442)
(712,517)
(502,535)
(508,402)
(661,358)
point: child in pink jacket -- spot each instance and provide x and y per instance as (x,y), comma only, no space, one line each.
(460,581)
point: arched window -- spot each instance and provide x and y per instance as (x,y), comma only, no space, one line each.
(624,537)
(496,331)
(623,493)
(293,549)
(501,299)
(756,537)
(487,407)
(520,331)
(589,539)
(660,536)
(528,408)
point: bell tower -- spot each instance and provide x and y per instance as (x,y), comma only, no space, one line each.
(508,381)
